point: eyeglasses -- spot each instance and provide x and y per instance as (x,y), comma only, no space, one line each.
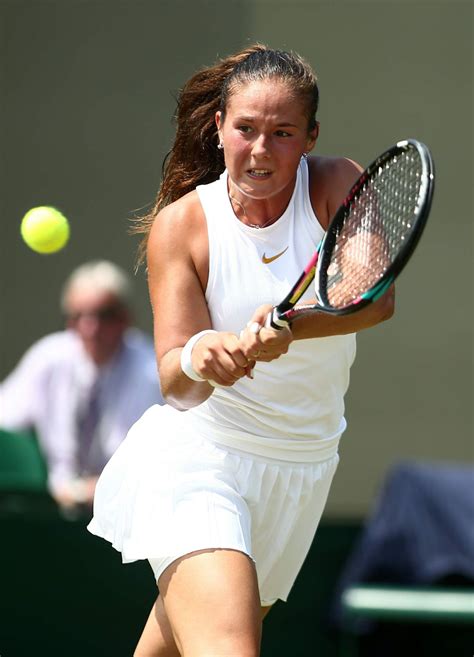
(106,314)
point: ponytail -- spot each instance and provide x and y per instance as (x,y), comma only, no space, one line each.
(194,158)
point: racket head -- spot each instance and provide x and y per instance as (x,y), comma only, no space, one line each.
(376,229)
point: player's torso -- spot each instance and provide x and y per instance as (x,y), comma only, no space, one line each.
(247,268)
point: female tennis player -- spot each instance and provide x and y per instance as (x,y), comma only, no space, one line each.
(222,489)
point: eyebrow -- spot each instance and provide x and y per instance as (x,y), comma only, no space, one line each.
(250,119)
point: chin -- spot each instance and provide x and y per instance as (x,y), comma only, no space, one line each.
(97,356)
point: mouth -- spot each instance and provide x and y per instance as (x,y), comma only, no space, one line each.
(259,173)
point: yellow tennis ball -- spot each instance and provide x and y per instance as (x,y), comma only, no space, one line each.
(45,229)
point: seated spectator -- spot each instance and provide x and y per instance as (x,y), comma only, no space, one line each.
(82,388)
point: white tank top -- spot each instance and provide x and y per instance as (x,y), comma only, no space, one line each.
(293,409)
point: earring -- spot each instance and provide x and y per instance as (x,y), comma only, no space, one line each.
(220,145)
(305,155)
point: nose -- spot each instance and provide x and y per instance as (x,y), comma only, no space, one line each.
(261,146)
(88,326)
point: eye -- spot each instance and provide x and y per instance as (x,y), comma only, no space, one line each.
(282,133)
(244,128)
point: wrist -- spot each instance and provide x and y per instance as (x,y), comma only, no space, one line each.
(186,353)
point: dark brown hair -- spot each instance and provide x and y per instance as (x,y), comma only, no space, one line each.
(194,158)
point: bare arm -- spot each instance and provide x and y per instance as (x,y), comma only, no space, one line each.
(271,344)
(177,275)
(322,325)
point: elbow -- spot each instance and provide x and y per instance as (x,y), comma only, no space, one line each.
(172,398)
(182,403)
(187,396)
(177,389)
(169,398)
(177,404)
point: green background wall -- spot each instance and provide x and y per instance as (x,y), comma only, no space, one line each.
(87,94)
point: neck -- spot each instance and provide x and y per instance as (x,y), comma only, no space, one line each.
(258,213)
(241,214)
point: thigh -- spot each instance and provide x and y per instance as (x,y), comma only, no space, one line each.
(212,602)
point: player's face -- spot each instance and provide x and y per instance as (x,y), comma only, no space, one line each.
(99,320)
(265,133)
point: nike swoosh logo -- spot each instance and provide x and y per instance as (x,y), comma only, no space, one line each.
(266,260)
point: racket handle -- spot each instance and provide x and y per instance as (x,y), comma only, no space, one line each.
(275,321)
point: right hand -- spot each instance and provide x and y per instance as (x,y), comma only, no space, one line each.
(218,357)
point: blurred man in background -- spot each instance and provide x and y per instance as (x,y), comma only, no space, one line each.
(82,388)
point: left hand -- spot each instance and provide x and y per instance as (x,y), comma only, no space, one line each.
(259,343)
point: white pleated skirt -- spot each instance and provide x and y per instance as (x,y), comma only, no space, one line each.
(169,491)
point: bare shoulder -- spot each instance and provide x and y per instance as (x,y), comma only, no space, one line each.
(330,180)
(179,233)
(177,224)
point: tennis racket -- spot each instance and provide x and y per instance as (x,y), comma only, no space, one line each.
(371,237)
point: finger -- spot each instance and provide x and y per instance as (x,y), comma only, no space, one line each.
(261,313)
(224,379)
(254,327)
(249,369)
(240,358)
(249,345)
(226,371)
(270,336)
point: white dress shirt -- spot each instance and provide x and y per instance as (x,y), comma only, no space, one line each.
(50,386)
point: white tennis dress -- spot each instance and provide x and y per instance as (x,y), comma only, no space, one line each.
(250,468)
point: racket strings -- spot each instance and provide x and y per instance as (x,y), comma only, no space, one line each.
(375,229)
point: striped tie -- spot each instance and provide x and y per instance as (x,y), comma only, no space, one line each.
(86,428)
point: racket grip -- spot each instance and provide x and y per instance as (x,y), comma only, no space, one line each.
(275,321)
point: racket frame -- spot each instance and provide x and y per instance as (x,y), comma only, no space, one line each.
(425,195)
(288,309)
